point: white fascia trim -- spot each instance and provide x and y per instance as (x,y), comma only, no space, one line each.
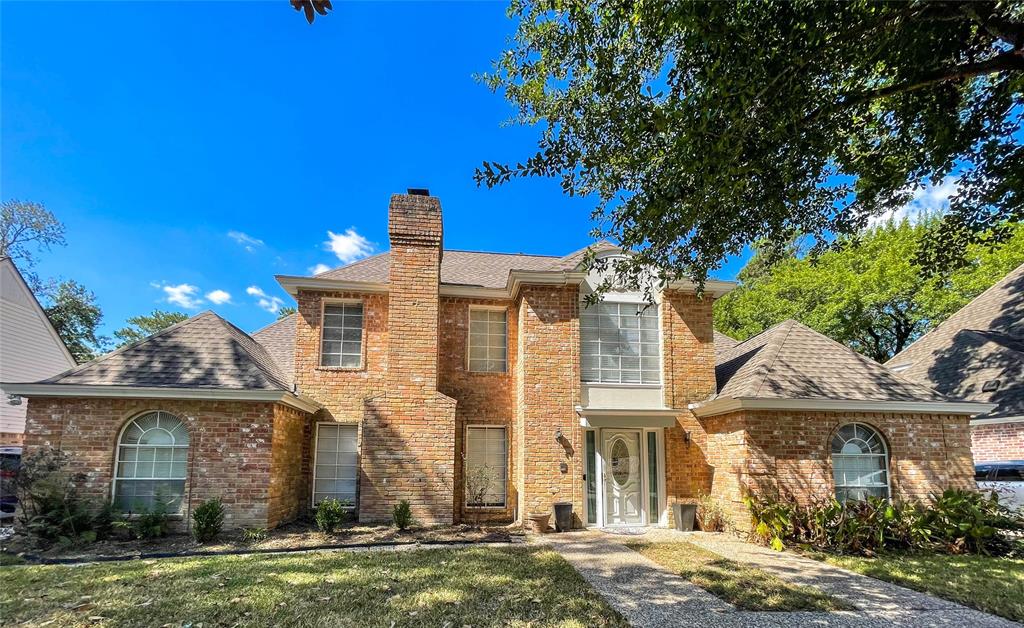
(997,420)
(301,402)
(729,404)
(293,284)
(627,417)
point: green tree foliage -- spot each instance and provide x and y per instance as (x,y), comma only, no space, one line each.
(700,127)
(285,311)
(73,312)
(141,327)
(868,293)
(25,229)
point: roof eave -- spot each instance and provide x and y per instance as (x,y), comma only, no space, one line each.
(292,284)
(516,279)
(301,402)
(714,287)
(732,404)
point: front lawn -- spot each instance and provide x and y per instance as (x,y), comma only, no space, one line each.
(478,586)
(745,587)
(993,585)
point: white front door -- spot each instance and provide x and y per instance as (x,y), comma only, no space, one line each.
(623,477)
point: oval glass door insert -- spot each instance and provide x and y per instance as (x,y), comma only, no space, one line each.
(620,462)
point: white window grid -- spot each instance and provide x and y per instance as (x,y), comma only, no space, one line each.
(341,341)
(335,463)
(151,460)
(860,463)
(488,340)
(621,343)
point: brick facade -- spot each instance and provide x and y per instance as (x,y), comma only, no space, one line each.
(993,442)
(230,451)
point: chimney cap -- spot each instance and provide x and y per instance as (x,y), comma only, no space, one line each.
(418,192)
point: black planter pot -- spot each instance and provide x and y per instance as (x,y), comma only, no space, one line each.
(684,514)
(563,516)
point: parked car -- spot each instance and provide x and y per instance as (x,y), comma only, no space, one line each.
(10,460)
(1005,478)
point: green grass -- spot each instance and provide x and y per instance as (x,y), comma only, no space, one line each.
(993,585)
(430,587)
(745,587)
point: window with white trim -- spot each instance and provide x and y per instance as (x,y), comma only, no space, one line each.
(488,344)
(620,343)
(341,344)
(860,463)
(152,458)
(485,468)
(335,465)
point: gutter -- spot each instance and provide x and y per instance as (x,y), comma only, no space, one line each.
(730,404)
(294,400)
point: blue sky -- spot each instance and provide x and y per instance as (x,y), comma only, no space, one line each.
(194,150)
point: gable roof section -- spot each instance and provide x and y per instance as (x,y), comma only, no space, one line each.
(723,343)
(982,342)
(278,338)
(15,290)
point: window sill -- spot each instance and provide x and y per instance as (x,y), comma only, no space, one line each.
(502,373)
(343,369)
(486,508)
(621,385)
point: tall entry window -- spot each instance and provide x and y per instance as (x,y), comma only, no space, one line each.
(152,456)
(485,468)
(335,467)
(621,343)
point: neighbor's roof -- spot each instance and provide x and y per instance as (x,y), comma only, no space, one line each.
(467,268)
(982,342)
(792,361)
(278,339)
(204,351)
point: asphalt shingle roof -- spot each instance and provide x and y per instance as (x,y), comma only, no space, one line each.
(724,343)
(278,339)
(982,342)
(204,351)
(792,361)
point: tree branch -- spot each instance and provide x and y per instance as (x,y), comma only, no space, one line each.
(1012,61)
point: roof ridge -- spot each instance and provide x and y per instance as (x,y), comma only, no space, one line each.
(269,325)
(778,350)
(274,370)
(1006,279)
(520,254)
(354,262)
(740,343)
(131,345)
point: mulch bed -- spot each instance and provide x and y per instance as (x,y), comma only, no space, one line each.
(296,536)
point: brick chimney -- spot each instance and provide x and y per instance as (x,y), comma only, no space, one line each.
(414,226)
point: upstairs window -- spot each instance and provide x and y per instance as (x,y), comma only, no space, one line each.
(152,455)
(488,346)
(342,341)
(621,343)
(860,463)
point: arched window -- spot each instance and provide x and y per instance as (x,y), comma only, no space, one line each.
(151,462)
(860,462)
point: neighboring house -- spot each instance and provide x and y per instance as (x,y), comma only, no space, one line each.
(30,348)
(977,354)
(410,374)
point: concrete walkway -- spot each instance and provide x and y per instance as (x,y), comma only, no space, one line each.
(648,594)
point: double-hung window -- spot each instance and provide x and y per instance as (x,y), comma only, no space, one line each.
(488,346)
(621,343)
(342,342)
(485,467)
(336,465)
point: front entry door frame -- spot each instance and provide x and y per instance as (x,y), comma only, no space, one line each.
(602,470)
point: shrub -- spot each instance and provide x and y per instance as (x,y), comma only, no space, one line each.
(254,535)
(711,515)
(152,522)
(402,515)
(51,508)
(957,521)
(330,513)
(208,518)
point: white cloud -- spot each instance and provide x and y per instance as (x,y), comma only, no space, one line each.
(927,200)
(348,246)
(183,295)
(218,297)
(264,300)
(319,268)
(250,243)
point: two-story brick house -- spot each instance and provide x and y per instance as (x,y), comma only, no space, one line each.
(417,372)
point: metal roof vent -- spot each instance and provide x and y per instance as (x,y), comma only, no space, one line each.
(418,192)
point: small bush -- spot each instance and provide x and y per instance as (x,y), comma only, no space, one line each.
(330,513)
(402,515)
(207,520)
(51,508)
(253,536)
(152,522)
(711,515)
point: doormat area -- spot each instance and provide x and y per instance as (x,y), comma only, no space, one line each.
(625,531)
